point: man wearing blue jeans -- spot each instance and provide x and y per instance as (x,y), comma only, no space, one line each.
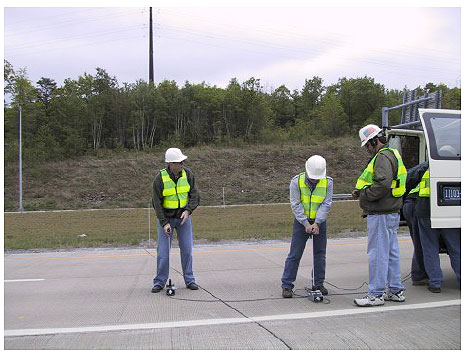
(175,196)
(430,237)
(380,189)
(311,194)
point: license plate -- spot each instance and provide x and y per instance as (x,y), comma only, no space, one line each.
(450,195)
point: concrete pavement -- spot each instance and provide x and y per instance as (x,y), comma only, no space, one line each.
(101,299)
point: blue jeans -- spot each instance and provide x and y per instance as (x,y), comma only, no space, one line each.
(430,242)
(298,242)
(383,253)
(418,270)
(184,235)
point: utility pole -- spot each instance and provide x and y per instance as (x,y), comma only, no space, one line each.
(21,209)
(150,50)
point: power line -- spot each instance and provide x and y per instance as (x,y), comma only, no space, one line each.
(80,36)
(384,64)
(286,35)
(60,24)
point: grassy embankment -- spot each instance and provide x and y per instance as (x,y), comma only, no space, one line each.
(251,174)
(121,227)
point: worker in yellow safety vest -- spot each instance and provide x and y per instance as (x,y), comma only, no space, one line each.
(175,196)
(430,237)
(417,271)
(311,194)
(380,189)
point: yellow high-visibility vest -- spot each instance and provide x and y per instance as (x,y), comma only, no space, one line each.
(424,185)
(397,185)
(175,195)
(311,201)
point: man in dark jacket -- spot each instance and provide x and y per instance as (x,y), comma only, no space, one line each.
(418,271)
(175,196)
(380,189)
(429,237)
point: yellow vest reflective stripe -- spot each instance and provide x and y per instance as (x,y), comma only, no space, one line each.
(175,195)
(415,190)
(424,185)
(397,185)
(311,201)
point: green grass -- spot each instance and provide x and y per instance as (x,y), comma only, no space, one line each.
(130,227)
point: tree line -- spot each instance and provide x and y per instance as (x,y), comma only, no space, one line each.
(95,111)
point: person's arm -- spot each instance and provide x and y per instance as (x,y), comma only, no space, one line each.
(325,207)
(194,194)
(296,205)
(157,199)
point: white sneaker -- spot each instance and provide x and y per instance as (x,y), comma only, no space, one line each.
(395,297)
(369,301)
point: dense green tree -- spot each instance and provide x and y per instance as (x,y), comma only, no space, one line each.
(332,120)
(360,98)
(452,99)
(46,90)
(256,110)
(282,106)
(312,93)
(94,112)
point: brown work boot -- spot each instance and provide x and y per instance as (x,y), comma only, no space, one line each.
(420,282)
(287,293)
(434,289)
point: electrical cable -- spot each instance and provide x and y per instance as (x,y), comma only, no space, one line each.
(295,295)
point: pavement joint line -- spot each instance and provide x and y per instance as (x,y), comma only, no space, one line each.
(195,252)
(242,320)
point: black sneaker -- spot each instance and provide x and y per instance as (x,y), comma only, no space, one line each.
(322,289)
(434,289)
(193,286)
(156,289)
(287,293)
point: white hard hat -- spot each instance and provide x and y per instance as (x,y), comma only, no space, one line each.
(174,155)
(368,132)
(316,167)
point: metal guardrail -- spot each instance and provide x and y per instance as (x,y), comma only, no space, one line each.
(342,196)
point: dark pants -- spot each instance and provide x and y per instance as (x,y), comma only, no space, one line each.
(298,242)
(430,243)
(418,270)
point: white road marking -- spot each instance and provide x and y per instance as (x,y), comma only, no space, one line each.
(23,280)
(208,322)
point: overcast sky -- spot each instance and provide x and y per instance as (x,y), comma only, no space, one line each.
(280,44)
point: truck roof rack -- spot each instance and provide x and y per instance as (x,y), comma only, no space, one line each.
(409,117)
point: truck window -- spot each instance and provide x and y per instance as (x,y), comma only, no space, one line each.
(444,136)
(408,147)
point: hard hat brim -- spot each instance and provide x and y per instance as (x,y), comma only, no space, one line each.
(314,176)
(180,159)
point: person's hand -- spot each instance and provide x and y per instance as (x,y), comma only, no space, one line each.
(315,229)
(308,229)
(356,193)
(184,216)
(167,229)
